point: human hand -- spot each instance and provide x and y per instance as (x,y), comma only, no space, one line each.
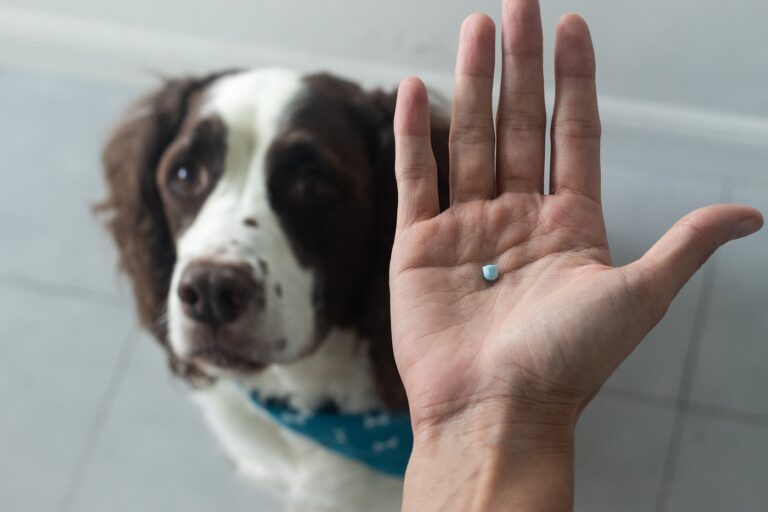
(535,346)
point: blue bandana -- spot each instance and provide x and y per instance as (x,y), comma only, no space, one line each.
(379,439)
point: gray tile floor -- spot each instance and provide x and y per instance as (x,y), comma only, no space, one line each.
(93,422)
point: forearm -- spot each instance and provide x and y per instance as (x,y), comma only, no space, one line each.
(502,467)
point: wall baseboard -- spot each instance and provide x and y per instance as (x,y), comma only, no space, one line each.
(134,57)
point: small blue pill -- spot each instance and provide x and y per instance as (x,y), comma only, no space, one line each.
(490,273)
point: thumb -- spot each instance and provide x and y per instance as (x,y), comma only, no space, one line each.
(673,260)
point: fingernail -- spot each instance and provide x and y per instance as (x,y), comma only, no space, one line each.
(746,227)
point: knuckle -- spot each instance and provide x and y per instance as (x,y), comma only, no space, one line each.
(472,134)
(521,121)
(706,249)
(413,170)
(704,246)
(577,128)
(520,48)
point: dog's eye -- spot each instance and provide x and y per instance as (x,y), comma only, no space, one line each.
(188,179)
(312,190)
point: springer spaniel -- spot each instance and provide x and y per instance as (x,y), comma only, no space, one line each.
(254,212)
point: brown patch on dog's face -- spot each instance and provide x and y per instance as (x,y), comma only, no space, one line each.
(321,185)
(191,166)
(334,192)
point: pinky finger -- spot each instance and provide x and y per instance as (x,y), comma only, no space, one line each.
(415,167)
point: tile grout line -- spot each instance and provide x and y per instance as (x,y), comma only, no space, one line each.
(693,407)
(95,429)
(62,290)
(638,397)
(689,367)
(733,415)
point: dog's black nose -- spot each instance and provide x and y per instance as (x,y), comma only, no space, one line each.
(218,293)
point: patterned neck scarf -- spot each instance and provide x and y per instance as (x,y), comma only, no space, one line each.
(379,439)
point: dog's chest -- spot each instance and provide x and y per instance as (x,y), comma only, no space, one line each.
(311,477)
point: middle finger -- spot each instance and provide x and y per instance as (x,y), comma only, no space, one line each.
(522,117)
(472,139)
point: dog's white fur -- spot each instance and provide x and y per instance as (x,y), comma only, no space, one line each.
(250,104)
(310,476)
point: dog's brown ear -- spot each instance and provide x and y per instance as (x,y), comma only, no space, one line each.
(440,124)
(133,207)
(387,376)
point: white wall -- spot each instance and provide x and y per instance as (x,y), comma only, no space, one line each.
(698,53)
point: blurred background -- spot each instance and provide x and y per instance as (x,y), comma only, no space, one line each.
(91,420)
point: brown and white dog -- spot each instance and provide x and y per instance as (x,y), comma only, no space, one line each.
(254,212)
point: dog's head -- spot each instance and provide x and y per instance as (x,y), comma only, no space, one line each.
(254,211)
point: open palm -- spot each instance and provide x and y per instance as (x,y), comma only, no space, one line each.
(560,318)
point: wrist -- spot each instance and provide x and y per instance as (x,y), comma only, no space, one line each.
(492,460)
